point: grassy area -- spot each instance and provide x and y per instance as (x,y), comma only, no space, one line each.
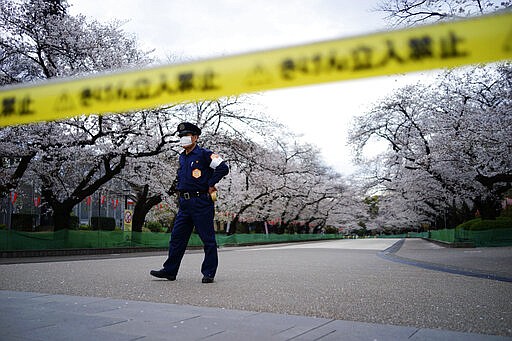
(481,225)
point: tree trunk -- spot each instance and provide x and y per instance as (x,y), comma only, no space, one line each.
(62,208)
(138,218)
(143,205)
(233,227)
(62,217)
(489,207)
(15,178)
(234,222)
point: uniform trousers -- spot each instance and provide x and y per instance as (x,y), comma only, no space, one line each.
(198,212)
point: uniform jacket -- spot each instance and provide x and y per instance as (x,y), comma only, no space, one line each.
(200,169)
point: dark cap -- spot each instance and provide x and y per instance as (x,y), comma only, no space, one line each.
(186,127)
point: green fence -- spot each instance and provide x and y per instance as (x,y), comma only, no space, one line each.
(405,235)
(490,237)
(485,238)
(493,237)
(446,235)
(71,239)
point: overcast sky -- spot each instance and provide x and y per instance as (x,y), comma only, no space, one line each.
(186,29)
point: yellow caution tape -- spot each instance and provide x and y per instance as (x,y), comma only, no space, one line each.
(479,40)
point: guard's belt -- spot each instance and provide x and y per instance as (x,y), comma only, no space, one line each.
(188,195)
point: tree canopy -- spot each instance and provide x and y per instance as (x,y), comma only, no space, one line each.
(273,177)
(448,141)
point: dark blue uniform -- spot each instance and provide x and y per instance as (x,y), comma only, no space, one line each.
(199,170)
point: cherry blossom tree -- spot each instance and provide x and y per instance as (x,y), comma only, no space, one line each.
(273,177)
(40,42)
(449,142)
(282,182)
(412,12)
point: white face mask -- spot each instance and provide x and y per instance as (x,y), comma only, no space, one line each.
(185,141)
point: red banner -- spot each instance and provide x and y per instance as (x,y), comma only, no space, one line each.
(115,203)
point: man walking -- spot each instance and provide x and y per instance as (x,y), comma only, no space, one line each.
(199,171)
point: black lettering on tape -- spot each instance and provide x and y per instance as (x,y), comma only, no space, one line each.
(142,88)
(420,48)
(209,81)
(337,63)
(164,86)
(391,54)
(186,81)
(25,106)
(450,46)
(259,76)
(17,106)
(288,69)
(362,58)
(64,103)
(8,106)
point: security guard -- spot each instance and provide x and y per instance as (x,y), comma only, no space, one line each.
(200,169)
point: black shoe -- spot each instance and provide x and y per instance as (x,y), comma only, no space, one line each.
(162,274)
(207,279)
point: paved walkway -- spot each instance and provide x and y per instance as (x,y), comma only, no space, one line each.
(36,316)
(42,316)
(491,262)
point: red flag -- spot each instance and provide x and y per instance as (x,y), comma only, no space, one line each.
(14,197)
(88,201)
(115,203)
(103,198)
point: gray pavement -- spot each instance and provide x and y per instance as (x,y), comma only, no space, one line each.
(491,261)
(337,290)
